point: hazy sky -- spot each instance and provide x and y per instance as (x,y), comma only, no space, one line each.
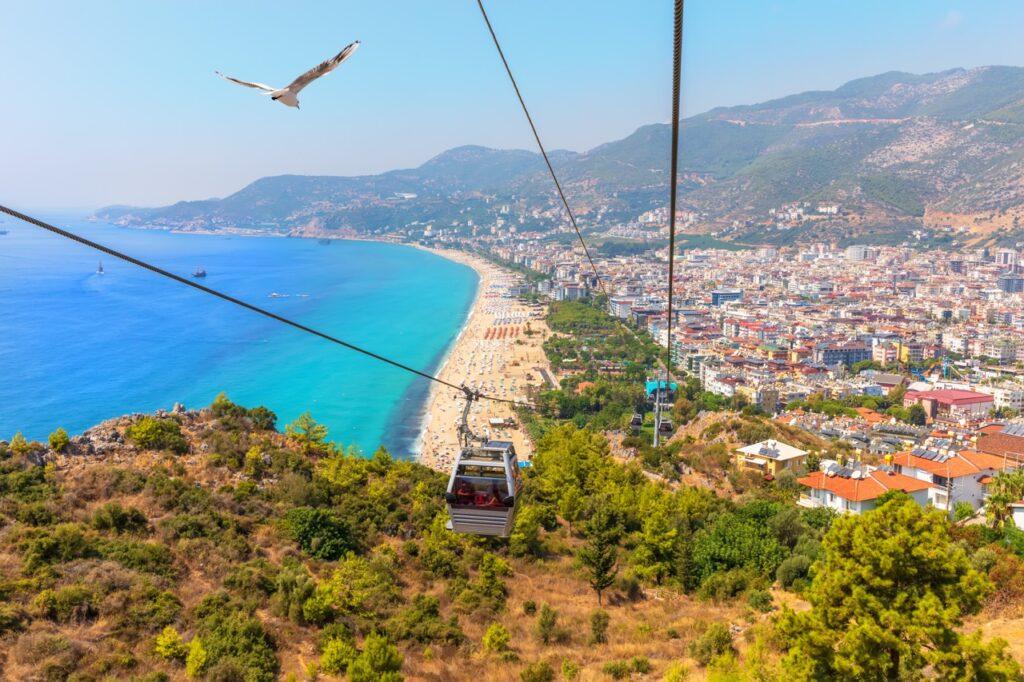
(116,102)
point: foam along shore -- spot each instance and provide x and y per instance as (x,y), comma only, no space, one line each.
(499,352)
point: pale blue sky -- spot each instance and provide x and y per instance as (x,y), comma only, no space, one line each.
(116,102)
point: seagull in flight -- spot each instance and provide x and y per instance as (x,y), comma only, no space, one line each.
(289,95)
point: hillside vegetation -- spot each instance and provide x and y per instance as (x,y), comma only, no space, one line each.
(207,545)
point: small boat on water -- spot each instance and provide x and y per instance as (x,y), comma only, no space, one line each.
(325,242)
(99,270)
(199,273)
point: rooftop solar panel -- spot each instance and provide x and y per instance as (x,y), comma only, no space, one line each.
(1016,429)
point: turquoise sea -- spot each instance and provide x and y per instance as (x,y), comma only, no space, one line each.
(77,347)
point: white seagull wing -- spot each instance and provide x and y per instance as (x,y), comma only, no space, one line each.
(258,86)
(322,68)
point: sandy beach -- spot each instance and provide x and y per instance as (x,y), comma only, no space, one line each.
(499,352)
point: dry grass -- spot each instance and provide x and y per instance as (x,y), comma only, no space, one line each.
(658,626)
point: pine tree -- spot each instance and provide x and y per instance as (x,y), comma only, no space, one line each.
(658,548)
(571,506)
(308,434)
(888,600)
(380,661)
(600,554)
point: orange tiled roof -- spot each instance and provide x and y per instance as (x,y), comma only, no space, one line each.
(984,460)
(872,486)
(954,467)
(964,463)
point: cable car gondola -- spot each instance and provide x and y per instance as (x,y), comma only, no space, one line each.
(665,425)
(482,490)
(636,422)
(485,482)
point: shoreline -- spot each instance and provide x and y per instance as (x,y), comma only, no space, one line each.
(425,416)
(501,340)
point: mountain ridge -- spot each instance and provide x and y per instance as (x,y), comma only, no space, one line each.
(894,149)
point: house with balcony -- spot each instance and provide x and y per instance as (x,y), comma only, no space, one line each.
(856,490)
(955,477)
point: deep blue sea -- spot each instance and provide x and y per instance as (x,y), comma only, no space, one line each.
(77,347)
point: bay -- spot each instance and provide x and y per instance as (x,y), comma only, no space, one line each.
(78,347)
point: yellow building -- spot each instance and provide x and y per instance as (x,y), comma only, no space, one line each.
(769,457)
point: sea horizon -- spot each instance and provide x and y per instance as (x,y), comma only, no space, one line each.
(81,347)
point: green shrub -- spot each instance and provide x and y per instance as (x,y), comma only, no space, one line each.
(12,618)
(617,670)
(170,646)
(441,550)
(962,510)
(714,641)
(234,641)
(599,626)
(677,672)
(292,588)
(538,671)
(760,600)
(26,483)
(547,622)
(157,434)
(60,544)
(59,440)
(148,557)
(725,586)
(529,607)
(525,539)
(363,590)
(422,622)
(570,669)
(316,609)
(223,407)
(70,604)
(321,533)
(497,638)
(487,592)
(256,578)
(36,514)
(379,661)
(263,419)
(21,447)
(338,654)
(197,657)
(150,610)
(792,569)
(640,664)
(113,517)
